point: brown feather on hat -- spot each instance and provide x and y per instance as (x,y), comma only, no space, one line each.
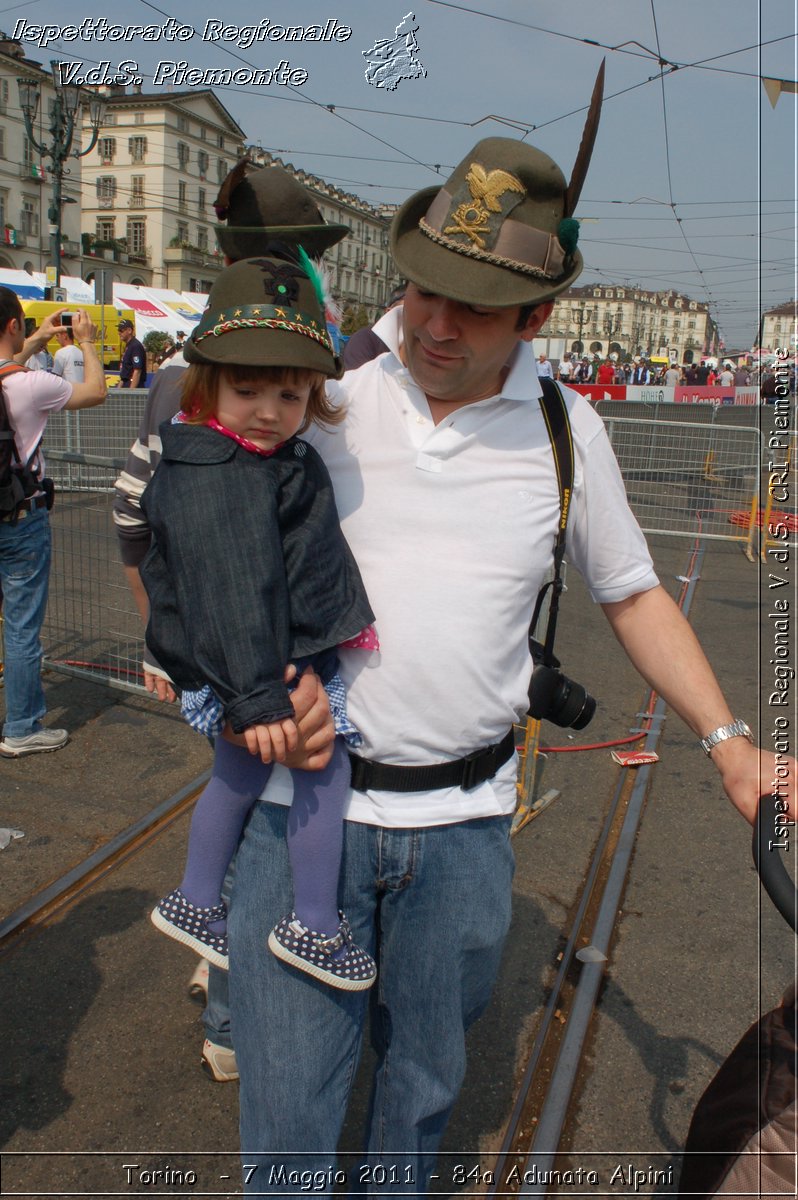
(499,232)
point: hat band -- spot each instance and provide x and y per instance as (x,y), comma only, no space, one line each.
(517,246)
(265,316)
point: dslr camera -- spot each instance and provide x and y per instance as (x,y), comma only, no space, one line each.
(556,698)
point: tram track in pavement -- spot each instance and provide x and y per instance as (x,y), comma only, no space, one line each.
(542,1101)
(44,906)
(530,1148)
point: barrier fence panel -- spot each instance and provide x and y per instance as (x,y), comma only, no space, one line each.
(108,430)
(92,628)
(683,478)
(688,479)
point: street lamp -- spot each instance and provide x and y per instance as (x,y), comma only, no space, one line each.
(583,316)
(612,324)
(62,129)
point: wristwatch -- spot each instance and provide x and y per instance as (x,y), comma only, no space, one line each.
(736,729)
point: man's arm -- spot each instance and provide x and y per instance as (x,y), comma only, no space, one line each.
(135,378)
(93,390)
(38,340)
(664,649)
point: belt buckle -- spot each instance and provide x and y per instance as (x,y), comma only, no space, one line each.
(471,775)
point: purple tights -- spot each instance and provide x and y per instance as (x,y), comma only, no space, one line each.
(315,831)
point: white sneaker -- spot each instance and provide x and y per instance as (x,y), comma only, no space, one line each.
(34,743)
(198,983)
(219,1062)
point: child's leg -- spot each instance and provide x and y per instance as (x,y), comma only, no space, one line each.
(315,838)
(236,781)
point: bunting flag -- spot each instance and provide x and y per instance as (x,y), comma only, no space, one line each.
(775,87)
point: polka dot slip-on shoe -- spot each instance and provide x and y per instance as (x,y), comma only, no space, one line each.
(179,919)
(335,960)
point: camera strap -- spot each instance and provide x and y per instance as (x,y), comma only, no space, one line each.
(558,427)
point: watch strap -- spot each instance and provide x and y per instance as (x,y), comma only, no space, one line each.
(737,728)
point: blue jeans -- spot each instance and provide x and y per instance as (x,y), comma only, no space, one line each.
(24,577)
(216,1016)
(433,906)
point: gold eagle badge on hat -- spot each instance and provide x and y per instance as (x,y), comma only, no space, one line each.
(488,191)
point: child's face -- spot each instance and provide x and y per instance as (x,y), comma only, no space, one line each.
(266,413)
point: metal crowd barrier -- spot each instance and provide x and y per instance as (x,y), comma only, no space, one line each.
(684,478)
(92,628)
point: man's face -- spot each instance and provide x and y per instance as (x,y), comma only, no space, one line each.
(126,335)
(457,352)
(62,337)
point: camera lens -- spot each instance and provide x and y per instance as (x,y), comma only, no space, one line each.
(556,698)
(572,706)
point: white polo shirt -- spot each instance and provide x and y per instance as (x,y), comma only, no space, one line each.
(453,528)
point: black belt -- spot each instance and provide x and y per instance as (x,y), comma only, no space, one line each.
(463,772)
(27,506)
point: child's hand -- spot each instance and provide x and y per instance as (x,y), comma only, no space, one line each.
(271,742)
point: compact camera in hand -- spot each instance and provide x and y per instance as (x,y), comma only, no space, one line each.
(556,698)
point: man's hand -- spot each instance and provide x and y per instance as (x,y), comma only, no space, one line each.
(315,726)
(748,773)
(271,742)
(49,326)
(84,328)
(159,686)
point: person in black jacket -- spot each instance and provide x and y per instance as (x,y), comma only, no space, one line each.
(248,572)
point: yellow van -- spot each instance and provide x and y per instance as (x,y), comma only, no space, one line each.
(37,310)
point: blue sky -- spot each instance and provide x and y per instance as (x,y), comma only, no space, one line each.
(692,184)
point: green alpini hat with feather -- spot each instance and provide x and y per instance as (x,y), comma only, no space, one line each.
(266,311)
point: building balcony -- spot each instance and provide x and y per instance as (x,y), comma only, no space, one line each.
(185,252)
(32,172)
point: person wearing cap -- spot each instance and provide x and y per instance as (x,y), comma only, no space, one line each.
(447,490)
(233,602)
(133,367)
(254,206)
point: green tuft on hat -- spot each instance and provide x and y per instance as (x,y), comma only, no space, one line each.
(264,312)
(258,201)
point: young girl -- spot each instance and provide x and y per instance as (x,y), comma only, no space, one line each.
(248,572)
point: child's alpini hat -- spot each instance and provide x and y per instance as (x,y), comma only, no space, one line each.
(266,312)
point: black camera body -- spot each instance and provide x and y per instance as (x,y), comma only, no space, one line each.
(556,698)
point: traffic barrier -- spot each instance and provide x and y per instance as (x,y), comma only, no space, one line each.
(683,477)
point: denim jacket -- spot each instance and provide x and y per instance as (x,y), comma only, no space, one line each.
(248,569)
